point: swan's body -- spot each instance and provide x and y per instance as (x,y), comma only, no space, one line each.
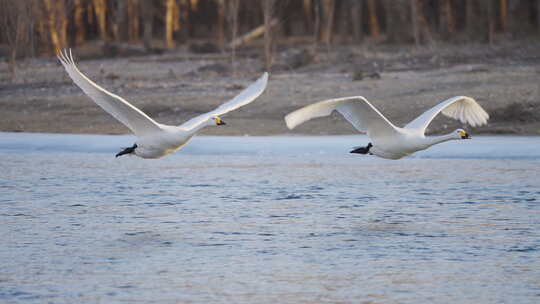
(389,141)
(156,140)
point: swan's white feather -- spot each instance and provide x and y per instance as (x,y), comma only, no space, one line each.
(248,95)
(357,110)
(154,140)
(387,140)
(133,118)
(462,108)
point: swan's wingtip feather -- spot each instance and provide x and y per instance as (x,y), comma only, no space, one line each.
(289,121)
(264,78)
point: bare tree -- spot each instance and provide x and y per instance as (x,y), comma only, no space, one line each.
(170,8)
(120,20)
(519,11)
(316,25)
(232,16)
(307,7)
(478,20)
(78,14)
(57,23)
(133,19)
(328,8)
(503,8)
(538,21)
(374,27)
(15,18)
(147,9)
(100,8)
(268,11)
(398,20)
(415,23)
(420,25)
(490,20)
(356,19)
(447,24)
(220,27)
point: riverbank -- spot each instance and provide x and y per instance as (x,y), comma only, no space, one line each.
(175,86)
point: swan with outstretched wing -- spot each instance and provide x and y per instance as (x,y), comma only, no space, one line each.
(155,140)
(389,141)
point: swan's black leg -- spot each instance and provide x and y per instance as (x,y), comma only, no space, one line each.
(362,150)
(127,150)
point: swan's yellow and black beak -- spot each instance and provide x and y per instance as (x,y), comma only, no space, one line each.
(464,135)
(219,121)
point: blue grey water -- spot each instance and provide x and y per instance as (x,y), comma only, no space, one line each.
(268,220)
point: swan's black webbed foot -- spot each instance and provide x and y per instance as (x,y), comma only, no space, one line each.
(362,150)
(127,150)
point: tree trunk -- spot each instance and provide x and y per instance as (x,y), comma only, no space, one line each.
(307,7)
(415,25)
(374,28)
(147,10)
(251,35)
(62,21)
(504,14)
(328,8)
(100,8)
(342,17)
(232,14)
(397,20)
(447,25)
(133,20)
(356,19)
(477,17)
(491,20)
(220,28)
(185,8)
(169,23)
(518,24)
(268,8)
(423,25)
(121,21)
(538,22)
(15,20)
(316,25)
(78,15)
(51,22)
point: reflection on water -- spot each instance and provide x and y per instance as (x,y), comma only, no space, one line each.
(268,219)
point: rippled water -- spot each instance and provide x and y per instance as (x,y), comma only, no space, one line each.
(268,220)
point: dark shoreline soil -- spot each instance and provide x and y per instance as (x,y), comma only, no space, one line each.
(177,85)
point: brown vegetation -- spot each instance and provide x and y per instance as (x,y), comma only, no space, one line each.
(42,26)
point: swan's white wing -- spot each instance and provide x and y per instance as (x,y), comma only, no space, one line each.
(462,108)
(133,118)
(357,110)
(248,95)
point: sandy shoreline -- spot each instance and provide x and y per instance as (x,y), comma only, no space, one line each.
(178,85)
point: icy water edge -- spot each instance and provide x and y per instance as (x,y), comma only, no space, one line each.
(268,219)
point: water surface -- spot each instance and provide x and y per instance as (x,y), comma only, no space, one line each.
(268,220)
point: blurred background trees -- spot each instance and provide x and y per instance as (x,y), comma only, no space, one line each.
(39,27)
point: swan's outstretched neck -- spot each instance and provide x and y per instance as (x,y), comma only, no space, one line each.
(206,123)
(433,140)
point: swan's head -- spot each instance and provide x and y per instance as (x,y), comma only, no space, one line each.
(219,121)
(461,134)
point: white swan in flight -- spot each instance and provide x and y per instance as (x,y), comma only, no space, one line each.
(389,141)
(155,140)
